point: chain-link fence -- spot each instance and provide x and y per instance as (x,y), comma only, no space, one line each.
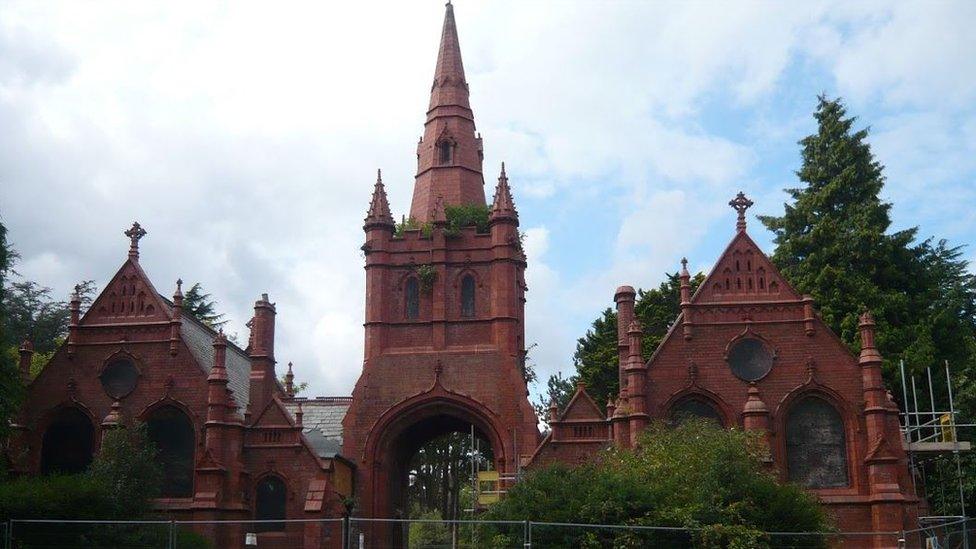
(363,533)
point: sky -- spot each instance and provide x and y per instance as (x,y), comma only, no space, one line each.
(245,138)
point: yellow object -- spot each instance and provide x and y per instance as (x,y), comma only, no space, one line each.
(488,487)
(948,432)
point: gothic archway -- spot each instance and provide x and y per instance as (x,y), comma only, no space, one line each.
(69,442)
(172,433)
(401,433)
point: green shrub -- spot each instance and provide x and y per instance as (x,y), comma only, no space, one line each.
(694,475)
(56,497)
(467,215)
(411,224)
(126,465)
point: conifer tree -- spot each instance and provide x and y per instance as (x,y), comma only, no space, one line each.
(833,242)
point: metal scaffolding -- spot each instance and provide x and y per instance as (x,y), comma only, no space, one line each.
(931,435)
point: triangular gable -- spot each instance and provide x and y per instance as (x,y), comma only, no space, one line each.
(128,298)
(274,414)
(581,407)
(744,273)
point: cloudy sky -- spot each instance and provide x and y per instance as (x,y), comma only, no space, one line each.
(245,138)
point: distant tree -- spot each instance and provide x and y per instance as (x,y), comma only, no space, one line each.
(558,390)
(694,475)
(595,359)
(199,304)
(11,389)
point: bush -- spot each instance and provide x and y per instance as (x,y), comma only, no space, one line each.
(694,475)
(126,465)
(467,215)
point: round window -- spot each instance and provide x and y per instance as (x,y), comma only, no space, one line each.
(119,378)
(750,360)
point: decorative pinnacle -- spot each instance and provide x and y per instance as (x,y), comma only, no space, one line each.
(178,294)
(740,203)
(379,207)
(684,268)
(134,234)
(503,206)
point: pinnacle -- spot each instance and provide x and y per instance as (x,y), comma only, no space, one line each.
(379,208)
(503,207)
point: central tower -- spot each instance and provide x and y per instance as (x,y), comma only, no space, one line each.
(444,326)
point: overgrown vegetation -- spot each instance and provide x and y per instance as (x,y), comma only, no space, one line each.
(427,275)
(458,217)
(694,475)
(411,224)
(466,215)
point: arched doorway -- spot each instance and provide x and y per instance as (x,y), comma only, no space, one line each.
(172,433)
(69,443)
(424,467)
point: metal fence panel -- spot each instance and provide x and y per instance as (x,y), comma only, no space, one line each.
(435,534)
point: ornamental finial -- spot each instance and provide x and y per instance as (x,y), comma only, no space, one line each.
(740,203)
(134,234)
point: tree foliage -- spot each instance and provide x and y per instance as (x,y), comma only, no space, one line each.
(440,470)
(694,475)
(202,306)
(11,389)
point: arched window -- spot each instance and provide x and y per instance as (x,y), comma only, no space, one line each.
(172,433)
(68,443)
(694,407)
(412,298)
(270,504)
(467,296)
(816,449)
(444,152)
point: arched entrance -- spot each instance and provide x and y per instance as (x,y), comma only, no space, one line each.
(68,444)
(403,435)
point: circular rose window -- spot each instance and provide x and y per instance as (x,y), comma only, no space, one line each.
(119,378)
(750,360)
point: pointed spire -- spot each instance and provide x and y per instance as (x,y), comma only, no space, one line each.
(503,207)
(134,233)
(378,214)
(450,87)
(450,154)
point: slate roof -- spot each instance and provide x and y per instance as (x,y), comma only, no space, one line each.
(199,338)
(322,421)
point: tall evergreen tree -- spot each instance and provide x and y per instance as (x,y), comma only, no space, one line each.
(833,242)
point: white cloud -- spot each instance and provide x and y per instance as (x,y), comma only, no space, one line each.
(245,136)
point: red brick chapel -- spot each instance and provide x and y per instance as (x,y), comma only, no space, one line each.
(444,344)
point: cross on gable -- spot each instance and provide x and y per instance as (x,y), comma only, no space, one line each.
(135,233)
(740,203)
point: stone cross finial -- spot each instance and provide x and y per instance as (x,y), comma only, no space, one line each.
(740,203)
(134,234)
